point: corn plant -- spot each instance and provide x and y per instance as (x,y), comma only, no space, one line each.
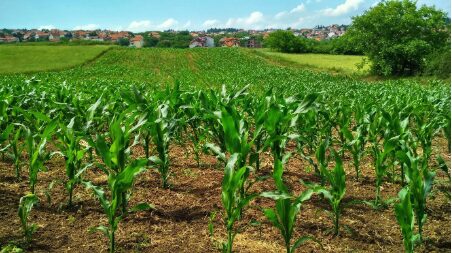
(16,150)
(116,153)
(405,218)
(443,167)
(118,184)
(26,204)
(4,136)
(161,130)
(356,145)
(73,153)
(232,199)
(420,181)
(336,192)
(380,154)
(36,148)
(284,216)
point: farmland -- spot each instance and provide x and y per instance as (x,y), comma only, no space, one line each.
(205,143)
(19,59)
(344,64)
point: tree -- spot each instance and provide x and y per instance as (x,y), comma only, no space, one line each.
(123,42)
(285,41)
(397,35)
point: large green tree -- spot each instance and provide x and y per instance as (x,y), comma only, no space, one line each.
(397,36)
(285,41)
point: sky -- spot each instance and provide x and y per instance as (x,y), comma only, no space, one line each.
(194,15)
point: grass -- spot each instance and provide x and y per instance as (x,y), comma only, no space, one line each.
(342,64)
(25,59)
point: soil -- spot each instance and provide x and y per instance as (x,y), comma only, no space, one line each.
(180,221)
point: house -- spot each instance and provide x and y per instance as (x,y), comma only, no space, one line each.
(137,41)
(9,39)
(28,35)
(253,43)
(119,35)
(204,41)
(154,35)
(230,42)
(79,34)
(56,35)
(42,35)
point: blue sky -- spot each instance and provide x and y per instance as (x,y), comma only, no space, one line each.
(140,15)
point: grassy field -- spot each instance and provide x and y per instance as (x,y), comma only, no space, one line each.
(15,59)
(345,64)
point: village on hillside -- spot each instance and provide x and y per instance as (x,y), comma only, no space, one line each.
(222,37)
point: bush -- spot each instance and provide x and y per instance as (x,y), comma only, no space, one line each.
(438,63)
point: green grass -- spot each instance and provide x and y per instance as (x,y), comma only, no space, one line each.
(24,59)
(344,64)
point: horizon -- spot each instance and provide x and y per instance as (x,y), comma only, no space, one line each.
(140,16)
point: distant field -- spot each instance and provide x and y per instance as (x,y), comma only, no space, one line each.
(15,59)
(346,64)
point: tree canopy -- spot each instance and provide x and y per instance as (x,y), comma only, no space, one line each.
(397,36)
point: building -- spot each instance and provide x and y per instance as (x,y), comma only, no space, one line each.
(137,41)
(204,41)
(253,43)
(229,42)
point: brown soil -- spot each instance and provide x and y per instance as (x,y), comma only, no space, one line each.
(180,221)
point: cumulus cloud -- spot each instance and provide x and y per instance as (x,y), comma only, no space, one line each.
(210,23)
(167,24)
(87,27)
(346,7)
(140,26)
(187,24)
(147,25)
(47,27)
(299,8)
(249,22)
(281,15)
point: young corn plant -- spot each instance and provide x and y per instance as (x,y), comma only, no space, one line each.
(405,218)
(161,130)
(356,145)
(420,181)
(73,153)
(380,155)
(232,199)
(116,153)
(284,215)
(16,149)
(36,148)
(336,192)
(119,185)
(26,204)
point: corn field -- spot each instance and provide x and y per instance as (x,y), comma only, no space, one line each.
(108,126)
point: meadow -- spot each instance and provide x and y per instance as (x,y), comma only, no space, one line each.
(20,59)
(206,150)
(342,64)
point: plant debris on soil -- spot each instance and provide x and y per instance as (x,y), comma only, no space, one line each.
(180,221)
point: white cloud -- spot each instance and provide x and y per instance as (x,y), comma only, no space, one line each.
(87,27)
(167,24)
(249,22)
(281,15)
(342,9)
(299,8)
(140,26)
(210,22)
(47,27)
(187,24)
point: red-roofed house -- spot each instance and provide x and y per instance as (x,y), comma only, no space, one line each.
(137,41)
